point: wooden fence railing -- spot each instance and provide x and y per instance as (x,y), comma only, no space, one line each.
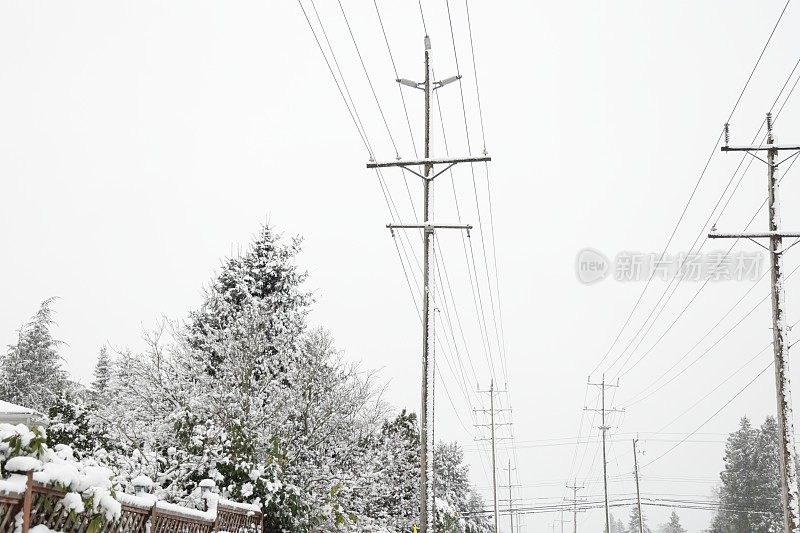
(39,504)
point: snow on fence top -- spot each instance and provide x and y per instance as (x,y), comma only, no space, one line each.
(66,494)
(146,501)
(249,507)
(14,485)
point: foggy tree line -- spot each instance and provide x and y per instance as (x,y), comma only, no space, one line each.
(749,493)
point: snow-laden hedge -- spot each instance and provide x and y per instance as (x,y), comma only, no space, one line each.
(88,485)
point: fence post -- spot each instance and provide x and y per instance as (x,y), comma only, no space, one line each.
(27,502)
(153,521)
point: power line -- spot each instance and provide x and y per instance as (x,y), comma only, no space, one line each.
(369,80)
(475,73)
(714,345)
(622,372)
(705,239)
(422,16)
(336,81)
(710,418)
(471,269)
(403,100)
(477,200)
(397,75)
(634,399)
(353,112)
(694,189)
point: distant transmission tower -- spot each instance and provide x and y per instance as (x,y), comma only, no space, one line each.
(604,428)
(493,425)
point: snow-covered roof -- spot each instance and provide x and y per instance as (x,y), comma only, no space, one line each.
(15,414)
(11,408)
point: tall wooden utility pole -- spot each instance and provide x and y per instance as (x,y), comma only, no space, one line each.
(493,425)
(510,498)
(426,497)
(638,495)
(561,521)
(780,343)
(575,488)
(604,428)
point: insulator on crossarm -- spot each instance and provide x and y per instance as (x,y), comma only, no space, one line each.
(727,134)
(769,122)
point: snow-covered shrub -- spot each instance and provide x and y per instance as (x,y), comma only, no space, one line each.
(89,487)
(73,422)
(21,441)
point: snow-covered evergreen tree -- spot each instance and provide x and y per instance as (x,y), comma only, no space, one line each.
(30,371)
(633,521)
(246,397)
(454,495)
(388,495)
(74,417)
(73,422)
(750,481)
(617,526)
(264,283)
(767,479)
(102,374)
(673,526)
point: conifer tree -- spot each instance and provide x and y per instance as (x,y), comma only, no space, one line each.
(261,291)
(391,463)
(633,521)
(102,374)
(617,526)
(750,481)
(457,501)
(766,493)
(72,422)
(30,371)
(674,525)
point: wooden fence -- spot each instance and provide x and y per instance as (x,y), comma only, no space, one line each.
(39,504)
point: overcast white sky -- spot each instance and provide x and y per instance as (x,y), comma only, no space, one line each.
(141,141)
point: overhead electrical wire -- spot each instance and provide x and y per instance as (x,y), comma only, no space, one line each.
(397,75)
(694,189)
(498,327)
(707,351)
(474,283)
(480,218)
(403,101)
(638,396)
(718,411)
(622,371)
(710,418)
(369,79)
(336,81)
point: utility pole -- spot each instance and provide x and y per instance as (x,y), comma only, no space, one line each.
(780,343)
(561,521)
(426,495)
(575,488)
(492,425)
(638,494)
(604,428)
(510,499)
